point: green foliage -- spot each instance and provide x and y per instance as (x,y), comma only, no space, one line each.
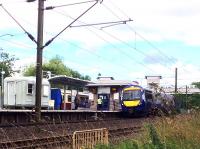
(127,144)
(155,140)
(197,84)
(102,146)
(180,101)
(29,71)
(193,101)
(57,67)
(179,132)
(6,63)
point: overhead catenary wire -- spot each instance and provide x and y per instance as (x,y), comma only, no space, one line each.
(102,23)
(141,36)
(17,43)
(127,55)
(136,33)
(123,66)
(89,51)
(50,41)
(52,7)
(114,22)
(95,54)
(131,58)
(29,35)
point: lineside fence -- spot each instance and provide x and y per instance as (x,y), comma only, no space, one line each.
(89,138)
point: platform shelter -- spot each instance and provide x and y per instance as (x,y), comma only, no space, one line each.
(109,90)
(70,87)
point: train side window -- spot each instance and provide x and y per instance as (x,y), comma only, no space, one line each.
(148,96)
(30,89)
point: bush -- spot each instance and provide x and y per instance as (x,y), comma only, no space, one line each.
(178,132)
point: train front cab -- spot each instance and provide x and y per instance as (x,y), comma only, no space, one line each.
(136,100)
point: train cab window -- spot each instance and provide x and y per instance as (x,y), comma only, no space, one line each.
(30,89)
(131,95)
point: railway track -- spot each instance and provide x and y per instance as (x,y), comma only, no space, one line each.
(53,123)
(37,142)
(117,129)
(66,140)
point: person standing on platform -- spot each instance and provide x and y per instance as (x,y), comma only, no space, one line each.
(99,103)
(76,102)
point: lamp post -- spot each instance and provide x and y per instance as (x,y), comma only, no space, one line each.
(2,86)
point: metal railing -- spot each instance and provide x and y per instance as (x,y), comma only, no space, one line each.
(89,138)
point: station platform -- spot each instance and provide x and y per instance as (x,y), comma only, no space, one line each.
(12,116)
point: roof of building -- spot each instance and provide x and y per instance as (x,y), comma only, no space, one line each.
(159,77)
(66,80)
(29,78)
(111,83)
(105,78)
(183,90)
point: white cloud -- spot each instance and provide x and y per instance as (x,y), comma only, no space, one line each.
(174,20)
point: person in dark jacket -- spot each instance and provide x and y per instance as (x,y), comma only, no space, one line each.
(76,102)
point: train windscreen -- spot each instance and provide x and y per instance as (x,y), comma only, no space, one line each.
(131,95)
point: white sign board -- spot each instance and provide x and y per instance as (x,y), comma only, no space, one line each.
(91,96)
(116,96)
(103,90)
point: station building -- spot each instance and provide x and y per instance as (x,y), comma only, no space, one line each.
(67,88)
(109,90)
(106,88)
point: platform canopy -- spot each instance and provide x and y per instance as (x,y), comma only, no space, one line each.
(69,81)
(112,83)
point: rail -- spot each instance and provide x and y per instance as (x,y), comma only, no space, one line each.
(116,129)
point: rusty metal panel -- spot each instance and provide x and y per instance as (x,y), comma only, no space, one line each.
(89,138)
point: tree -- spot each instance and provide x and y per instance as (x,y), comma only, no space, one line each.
(6,63)
(197,84)
(57,67)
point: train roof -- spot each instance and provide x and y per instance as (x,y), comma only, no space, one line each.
(138,87)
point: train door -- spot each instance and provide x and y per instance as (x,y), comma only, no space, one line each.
(149,100)
(105,101)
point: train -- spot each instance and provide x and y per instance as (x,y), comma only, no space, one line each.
(19,93)
(136,100)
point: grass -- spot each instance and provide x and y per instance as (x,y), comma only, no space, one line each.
(177,132)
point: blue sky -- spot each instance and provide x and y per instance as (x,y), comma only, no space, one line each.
(162,36)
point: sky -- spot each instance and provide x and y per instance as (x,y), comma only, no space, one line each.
(163,35)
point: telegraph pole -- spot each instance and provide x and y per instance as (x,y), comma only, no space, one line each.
(175,80)
(186,96)
(39,60)
(41,46)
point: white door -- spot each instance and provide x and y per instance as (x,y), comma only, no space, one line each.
(11,101)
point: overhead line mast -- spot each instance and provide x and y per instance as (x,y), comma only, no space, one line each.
(39,60)
(40,45)
(40,48)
